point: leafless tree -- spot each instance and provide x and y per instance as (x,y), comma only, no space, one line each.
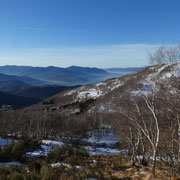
(165,54)
(143,118)
(170,145)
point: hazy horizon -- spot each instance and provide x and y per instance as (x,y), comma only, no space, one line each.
(72,65)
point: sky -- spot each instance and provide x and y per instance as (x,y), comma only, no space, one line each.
(94,33)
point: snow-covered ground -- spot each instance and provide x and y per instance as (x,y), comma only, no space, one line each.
(95,91)
(52,143)
(105,151)
(100,142)
(45,149)
(4,142)
(10,163)
(66,165)
(103,137)
(158,73)
(90,93)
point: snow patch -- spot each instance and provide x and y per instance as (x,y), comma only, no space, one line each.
(10,163)
(60,164)
(52,143)
(105,137)
(117,83)
(90,93)
(66,165)
(70,93)
(4,142)
(101,84)
(41,152)
(35,153)
(105,151)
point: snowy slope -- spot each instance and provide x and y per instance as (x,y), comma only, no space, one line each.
(106,94)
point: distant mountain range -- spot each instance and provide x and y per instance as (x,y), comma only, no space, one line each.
(118,72)
(23,79)
(25,85)
(73,75)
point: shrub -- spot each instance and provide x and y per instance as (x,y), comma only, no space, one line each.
(84,105)
(4,173)
(17,150)
(16,176)
(67,152)
(32,176)
(59,154)
(81,152)
(34,166)
(45,173)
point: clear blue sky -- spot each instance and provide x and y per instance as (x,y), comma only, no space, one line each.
(102,33)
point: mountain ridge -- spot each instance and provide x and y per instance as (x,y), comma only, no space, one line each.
(104,97)
(16,102)
(23,79)
(73,75)
(26,90)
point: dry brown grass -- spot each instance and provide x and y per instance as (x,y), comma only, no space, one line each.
(108,167)
(124,170)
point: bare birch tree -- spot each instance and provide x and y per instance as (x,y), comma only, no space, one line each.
(165,54)
(143,118)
